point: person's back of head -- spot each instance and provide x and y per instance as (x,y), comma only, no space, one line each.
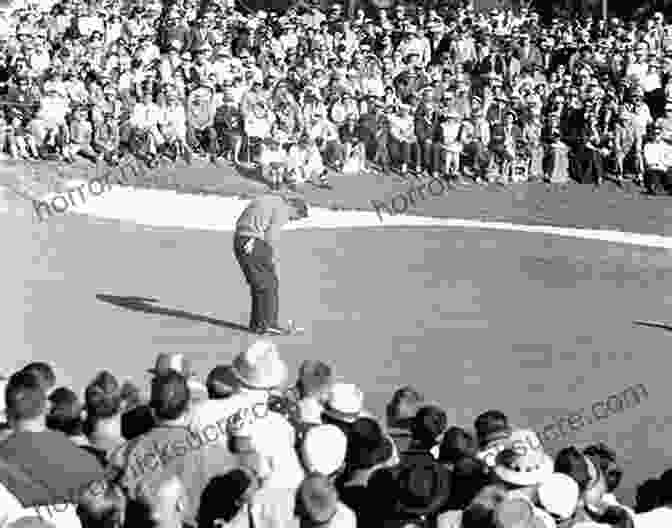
(161,503)
(102,507)
(44,373)
(455,445)
(315,377)
(647,496)
(224,496)
(103,397)
(170,396)
(25,399)
(65,414)
(491,425)
(428,426)
(403,407)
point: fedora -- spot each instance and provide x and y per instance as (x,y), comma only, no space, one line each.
(260,366)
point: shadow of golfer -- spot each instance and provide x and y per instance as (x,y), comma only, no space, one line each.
(145,304)
(654,324)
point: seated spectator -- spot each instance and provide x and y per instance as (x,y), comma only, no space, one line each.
(305,163)
(657,163)
(355,154)
(402,131)
(81,137)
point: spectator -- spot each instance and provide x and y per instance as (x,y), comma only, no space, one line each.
(318,504)
(30,440)
(103,414)
(193,458)
(66,415)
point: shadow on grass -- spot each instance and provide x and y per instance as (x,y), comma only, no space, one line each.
(146,304)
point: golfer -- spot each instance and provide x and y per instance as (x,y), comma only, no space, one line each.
(255,246)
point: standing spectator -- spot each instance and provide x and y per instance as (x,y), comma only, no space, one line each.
(26,446)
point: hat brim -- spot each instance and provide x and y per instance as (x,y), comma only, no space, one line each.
(272,381)
(529,478)
(341,416)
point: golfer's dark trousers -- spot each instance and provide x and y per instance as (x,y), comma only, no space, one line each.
(259,272)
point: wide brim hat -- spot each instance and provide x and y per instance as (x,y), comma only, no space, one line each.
(345,402)
(260,366)
(526,467)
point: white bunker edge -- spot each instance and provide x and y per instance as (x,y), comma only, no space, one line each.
(169,209)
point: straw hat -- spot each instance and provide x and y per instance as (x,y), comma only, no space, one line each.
(523,467)
(260,366)
(345,402)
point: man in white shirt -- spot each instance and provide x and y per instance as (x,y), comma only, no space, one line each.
(658,162)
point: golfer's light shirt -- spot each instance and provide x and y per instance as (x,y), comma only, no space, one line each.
(264,218)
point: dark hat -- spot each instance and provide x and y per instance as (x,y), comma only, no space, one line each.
(422,488)
(221,382)
(367,445)
(428,424)
(65,403)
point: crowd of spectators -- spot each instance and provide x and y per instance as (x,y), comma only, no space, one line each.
(439,90)
(248,448)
